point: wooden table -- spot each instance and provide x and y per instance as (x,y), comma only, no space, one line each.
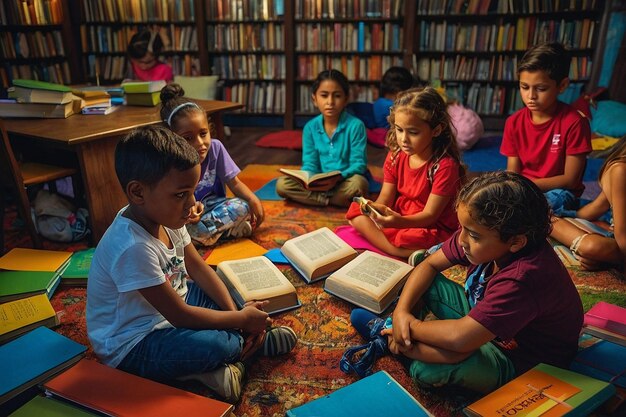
(93,140)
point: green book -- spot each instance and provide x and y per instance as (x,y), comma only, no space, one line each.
(143,99)
(15,285)
(78,269)
(49,407)
(40,85)
(143,86)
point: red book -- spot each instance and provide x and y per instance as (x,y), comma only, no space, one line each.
(117,393)
(607,321)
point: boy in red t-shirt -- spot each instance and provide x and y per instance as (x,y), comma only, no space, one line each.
(547,141)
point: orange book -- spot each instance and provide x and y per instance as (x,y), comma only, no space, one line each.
(117,393)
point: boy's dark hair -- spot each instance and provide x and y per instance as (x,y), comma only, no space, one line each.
(143,42)
(508,203)
(552,58)
(172,96)
(331,74)
(396,79)
(148,153)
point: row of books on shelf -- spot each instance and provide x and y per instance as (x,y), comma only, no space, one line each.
(265,67)
(257,97)
(246,37)
(355,68)
(238,10)
(138,11)
(349,37)
(26,45)
(107,39)
(504,36)
(113,68)
(31,12)
(54,72)
(482,7)
(348,9)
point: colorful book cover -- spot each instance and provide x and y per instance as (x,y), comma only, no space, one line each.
(117,393)
(607,316)
(546,391)
(373,396)
(28,311)
(40,85)
(143,86)
(20,259)
(603,360)
(34,357)
(79,265)
(49,407)
(20,284)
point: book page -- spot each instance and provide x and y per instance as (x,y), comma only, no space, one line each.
(315,249)
(256,278)
(371,273)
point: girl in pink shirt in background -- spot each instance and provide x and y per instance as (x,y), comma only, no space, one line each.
(143,50)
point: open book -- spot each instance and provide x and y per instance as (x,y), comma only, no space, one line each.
(308,180)
(316,254)
(259,279)
(371,281)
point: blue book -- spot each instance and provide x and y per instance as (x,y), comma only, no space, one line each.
(603,360)
(376,395)
(361,37)
(33,358)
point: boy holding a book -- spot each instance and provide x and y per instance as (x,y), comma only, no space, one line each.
(518,307)
(155,308)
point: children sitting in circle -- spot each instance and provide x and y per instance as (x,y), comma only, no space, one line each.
(599,251)
(518,307)
(333,140)
(547,140)
(422,174)
(214,217)
(143,52)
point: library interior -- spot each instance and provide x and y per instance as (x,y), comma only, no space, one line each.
(363,93)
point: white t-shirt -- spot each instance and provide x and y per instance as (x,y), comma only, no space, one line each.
(127,259)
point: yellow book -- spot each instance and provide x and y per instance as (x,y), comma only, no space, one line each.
(20,316)
(239,249)
(20,259)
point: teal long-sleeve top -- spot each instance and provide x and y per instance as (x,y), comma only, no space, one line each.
(345,151)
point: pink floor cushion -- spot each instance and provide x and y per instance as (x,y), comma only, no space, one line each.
(376,137)
(284,139)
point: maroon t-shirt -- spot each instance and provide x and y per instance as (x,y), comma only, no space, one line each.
(531,305)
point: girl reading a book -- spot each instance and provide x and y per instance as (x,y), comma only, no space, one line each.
(143,51)
(333,141)
(594,248)
(517,308)
(215,217)
(422,174)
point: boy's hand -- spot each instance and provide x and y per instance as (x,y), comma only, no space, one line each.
(196,213)
(401,330)
(255,320)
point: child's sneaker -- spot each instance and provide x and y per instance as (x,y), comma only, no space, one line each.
(279,340)
(225,381)
(416,257)
(368,324)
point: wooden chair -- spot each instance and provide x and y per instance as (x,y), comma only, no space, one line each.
(25,174)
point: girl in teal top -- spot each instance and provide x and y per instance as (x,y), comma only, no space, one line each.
(334,140)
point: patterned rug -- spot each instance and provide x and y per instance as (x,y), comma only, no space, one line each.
(274,385)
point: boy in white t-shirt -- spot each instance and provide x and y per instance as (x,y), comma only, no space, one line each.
(154,307)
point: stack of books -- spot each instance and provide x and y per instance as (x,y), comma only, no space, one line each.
(28,279)
(143,93)
(94,100)
(32,98)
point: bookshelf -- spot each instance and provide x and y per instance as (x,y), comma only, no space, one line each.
(106,27)
(362,39)
(476,59)
(34,35)
(246,46)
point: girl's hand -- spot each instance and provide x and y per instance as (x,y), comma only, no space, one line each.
(401,330)
(257,213)
(196,213)
(255,320)
(385,217)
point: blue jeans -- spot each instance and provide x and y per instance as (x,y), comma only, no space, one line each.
(485,370)
(167,354)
